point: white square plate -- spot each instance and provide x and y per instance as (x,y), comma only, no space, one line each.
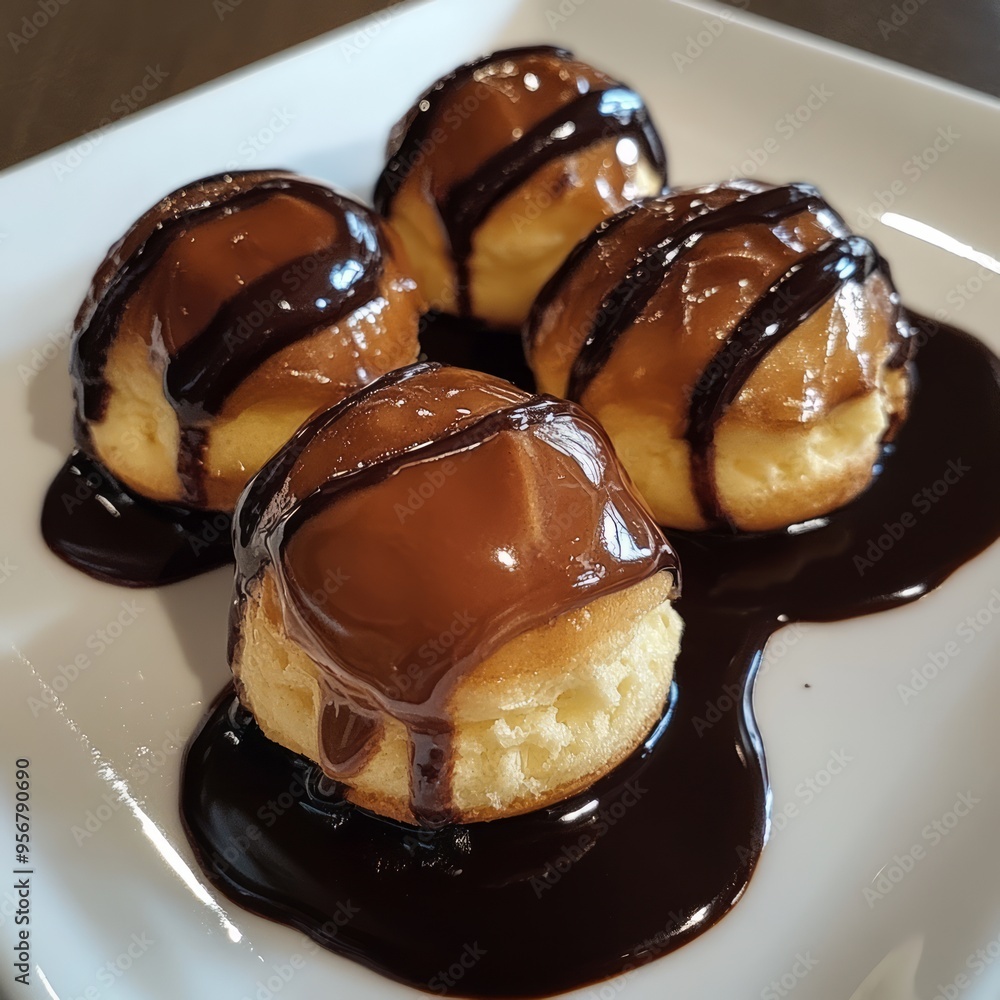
(103,686)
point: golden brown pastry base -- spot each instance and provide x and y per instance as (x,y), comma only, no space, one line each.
(541,719)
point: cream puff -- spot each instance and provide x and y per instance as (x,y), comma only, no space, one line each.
(745,352)
(226,315)
(503,165)
(449,596)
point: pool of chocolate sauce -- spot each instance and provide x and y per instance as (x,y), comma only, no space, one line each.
(99,526)
(660,849)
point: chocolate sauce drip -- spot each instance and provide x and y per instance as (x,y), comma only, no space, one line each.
(658,850)
(94,523)
(590,117)
(191,447)
(631,295)
(789,302)
(430,768)
(347,737)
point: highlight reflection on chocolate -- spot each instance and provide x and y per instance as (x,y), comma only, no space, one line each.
(746,353)
(224,317)
(399,548)
(502,165)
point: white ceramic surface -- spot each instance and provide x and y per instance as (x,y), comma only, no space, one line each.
(111,868)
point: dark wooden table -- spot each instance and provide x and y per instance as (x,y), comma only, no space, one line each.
(69,66)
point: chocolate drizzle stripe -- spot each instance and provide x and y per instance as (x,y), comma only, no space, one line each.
(552,288)
(206,370)
(573,127)
(536,410)
(263,488)
(414,129)
(96,332)
(96,326)
(576,125)
(625,302)
(789,302)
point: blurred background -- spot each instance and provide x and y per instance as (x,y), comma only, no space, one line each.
(70,66)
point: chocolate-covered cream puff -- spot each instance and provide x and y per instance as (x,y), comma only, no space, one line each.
(449,596)
(745,352)
(503,165)
(229,312)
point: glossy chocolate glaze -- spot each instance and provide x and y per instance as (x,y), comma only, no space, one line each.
(660,849)
(813,275)
(214,305)
(196,379)
(496,462)
(478,172)
(100,527)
